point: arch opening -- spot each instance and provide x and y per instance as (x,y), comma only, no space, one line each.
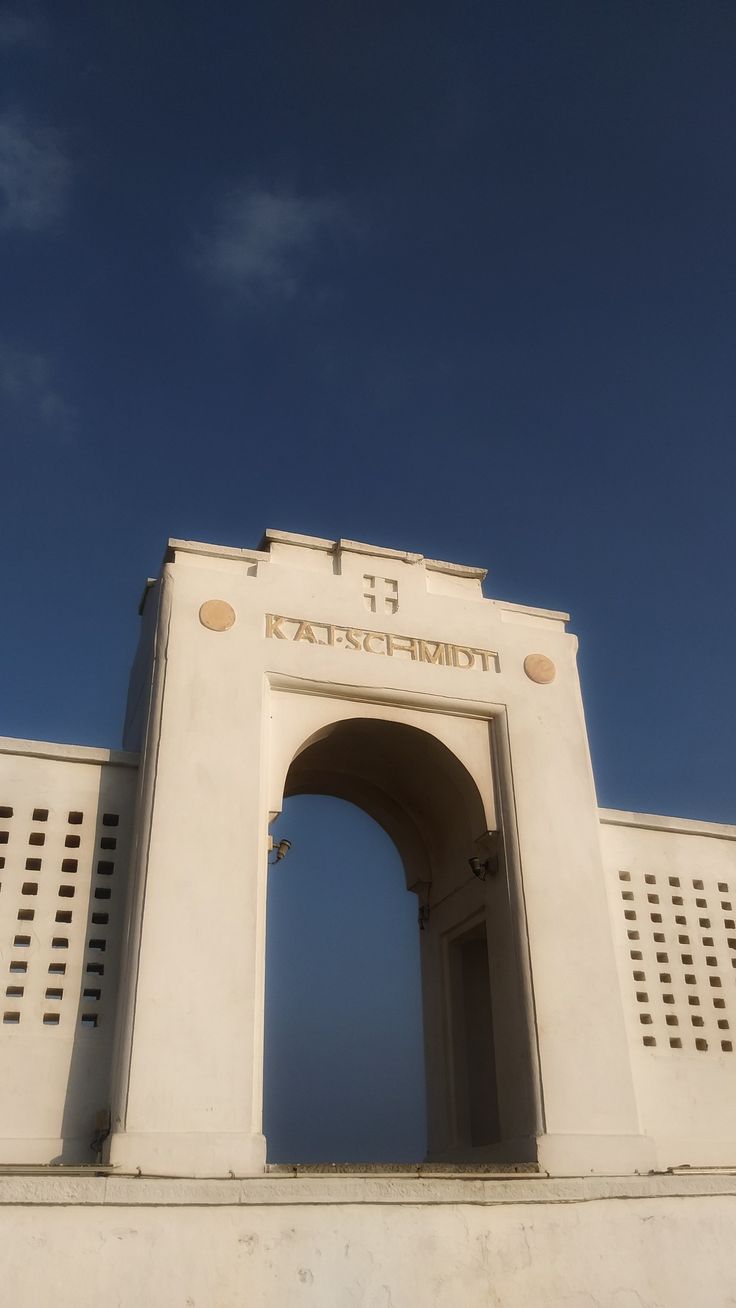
(476,1030)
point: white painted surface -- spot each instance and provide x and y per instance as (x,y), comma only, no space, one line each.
(392,1243)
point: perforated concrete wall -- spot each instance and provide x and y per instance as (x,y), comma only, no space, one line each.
(672,891)
(65,827)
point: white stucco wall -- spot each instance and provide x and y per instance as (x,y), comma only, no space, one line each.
(66,816)
(672,894)
(369,1243)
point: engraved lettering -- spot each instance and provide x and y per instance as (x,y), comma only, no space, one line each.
(369,636)
(401,645)
(433,652)
(273,627)
(439,655)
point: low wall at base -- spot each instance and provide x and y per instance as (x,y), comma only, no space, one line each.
(374,1242)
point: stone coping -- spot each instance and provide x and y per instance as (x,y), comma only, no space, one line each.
(656,822)
(68,753)
(31,1189)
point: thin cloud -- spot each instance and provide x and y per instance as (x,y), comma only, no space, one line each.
(262,243)
(34,175)
(27,383)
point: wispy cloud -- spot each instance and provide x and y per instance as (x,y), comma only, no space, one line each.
(34,175)
(27,383)
(17,28)
(262,243)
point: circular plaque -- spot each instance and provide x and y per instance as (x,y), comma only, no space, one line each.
(539,668)
(217,615)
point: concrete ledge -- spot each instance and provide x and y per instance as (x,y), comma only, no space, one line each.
(124,1191)
(656,822)
(68,753)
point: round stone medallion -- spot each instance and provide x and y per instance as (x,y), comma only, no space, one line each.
(217,615)
(539,668)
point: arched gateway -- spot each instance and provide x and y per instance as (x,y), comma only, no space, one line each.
(312,666)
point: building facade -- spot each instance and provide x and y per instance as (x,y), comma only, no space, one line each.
(578,964)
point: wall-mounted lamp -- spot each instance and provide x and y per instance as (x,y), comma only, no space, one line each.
(482,868)
(280,850)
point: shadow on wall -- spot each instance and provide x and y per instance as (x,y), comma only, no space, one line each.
(86,1106)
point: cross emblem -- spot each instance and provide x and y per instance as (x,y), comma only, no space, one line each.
(380,594)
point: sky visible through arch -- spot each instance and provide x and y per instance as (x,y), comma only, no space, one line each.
(452,278)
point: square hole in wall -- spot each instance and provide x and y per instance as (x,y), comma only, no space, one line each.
(72,841)
(701,903)
(90,1019)
(633,935)
(722,1024)
(668,999)
(51,1019)
(672,1019)
(110,819)
(106,869)
(75,819)
(711,960)
(627,894)
(715,981)
(4,837)
(5,811)
(675,1042)
(659,937)
(697,885)
(649,1041)
(722,885)
(704,921)
(33,864)
(98,944)
(645,1019)
(63,915)
(102,892)
(663,958)
(57,969)
(59,942)
(642,997)
(100,919)
(40,814)
(95,969)
(108,842)
(729,924)
(37,838)
(21,942)
(649,879)
(694,1000)
(653,899)
(686,958)
(680,920)
(689,979)
(708,941)
(718,1002)
(684,940)
(677,899)
(17,966)
(29,888)
(26,914)
(54,992)
(697,1020)
(635,955)
(69,864)
(674,881)
(656,917)
(11,1019)
(701,1044)
(90,993)
(15,992)
(66,892)
(640,976)
(726,905)
(726,1046)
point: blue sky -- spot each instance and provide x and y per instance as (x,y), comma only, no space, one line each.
(454,278)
